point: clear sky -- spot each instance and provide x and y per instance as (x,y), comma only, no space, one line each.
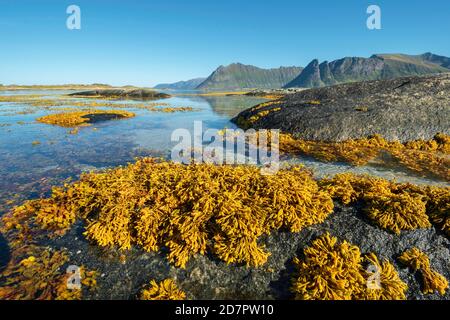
(148,42)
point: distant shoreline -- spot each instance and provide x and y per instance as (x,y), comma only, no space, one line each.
(66,87)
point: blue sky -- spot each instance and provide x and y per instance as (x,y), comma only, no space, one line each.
(148,42)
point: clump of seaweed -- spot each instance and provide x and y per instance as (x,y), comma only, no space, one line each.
(391,286)
(261,114)
(83,118)
(438,207)
(393,206)
(419,261)
(165,290)
(421,156)
(37,273)
(335,271)
(190,209)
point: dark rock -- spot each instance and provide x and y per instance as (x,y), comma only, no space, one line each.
(5,253)
(100,117)
(402,109)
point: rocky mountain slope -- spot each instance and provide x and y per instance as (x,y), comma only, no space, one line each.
(377,67)
(181,85)
(240,76)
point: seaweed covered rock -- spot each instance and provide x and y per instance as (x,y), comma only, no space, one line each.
(404,109)
(393,206)
(229,232)
(84,118)
(336,271)
(165,290)
(427,157)
(37,273)
(419,261)
(188,209)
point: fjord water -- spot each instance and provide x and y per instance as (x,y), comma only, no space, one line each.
(35,156)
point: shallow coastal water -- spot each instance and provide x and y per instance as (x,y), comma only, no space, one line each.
(36,156)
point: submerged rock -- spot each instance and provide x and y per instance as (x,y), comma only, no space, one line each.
(402,109)
(145,94)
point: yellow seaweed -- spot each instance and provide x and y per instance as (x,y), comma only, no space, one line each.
(80,118)
(165,290)
(191,209)
(36,273)
(333,270)
(419,261)
(421,156)
(393,206)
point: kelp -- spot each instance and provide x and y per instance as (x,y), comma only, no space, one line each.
(37,273)
(82,118)
(164,290)
(333,270)
(393,206)
(190,209)
(430,157)
(419,261)
(248,123)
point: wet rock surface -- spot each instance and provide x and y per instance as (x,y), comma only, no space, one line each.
(100,117)
(122,274)
(402,109)
(145,94)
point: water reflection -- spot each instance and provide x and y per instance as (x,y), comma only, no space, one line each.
(28,170)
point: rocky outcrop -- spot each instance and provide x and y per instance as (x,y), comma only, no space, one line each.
(145,94)
(402,109)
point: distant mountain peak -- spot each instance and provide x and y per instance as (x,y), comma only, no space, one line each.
(181,85)
(238,76)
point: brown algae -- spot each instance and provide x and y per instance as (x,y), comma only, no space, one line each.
(165,290)
(83,118)
(430,157)
(393,206)
(419,261)
(188,209)
(37,273)
(333,270)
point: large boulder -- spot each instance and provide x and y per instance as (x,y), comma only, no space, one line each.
(402,109)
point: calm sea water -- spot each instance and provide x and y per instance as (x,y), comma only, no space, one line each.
(28,170)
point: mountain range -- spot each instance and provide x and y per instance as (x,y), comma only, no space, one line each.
(181,85)
(238,76)
(377,67)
